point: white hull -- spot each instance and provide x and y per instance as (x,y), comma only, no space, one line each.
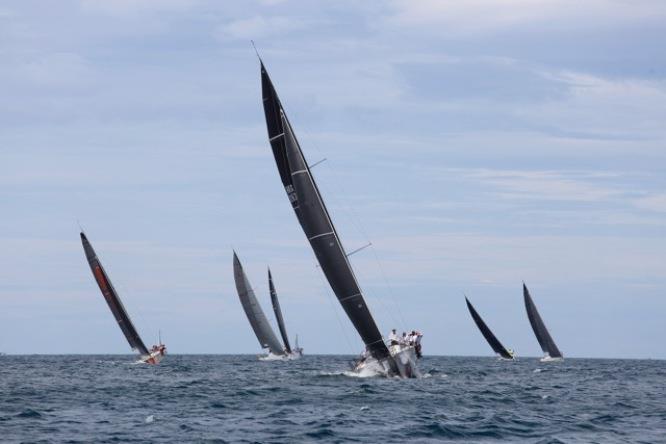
(547,358)
(404,357)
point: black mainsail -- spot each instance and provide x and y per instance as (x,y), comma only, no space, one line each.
(258,321)
(278,313)
(112,298)
(545,340)
(495,344)
(315,220)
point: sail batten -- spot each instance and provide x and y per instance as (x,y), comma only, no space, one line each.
(112,298)
(278,313)
(494,343)
(258,321)
(315,220)
(540,331)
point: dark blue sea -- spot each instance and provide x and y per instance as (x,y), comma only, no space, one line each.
(240,399)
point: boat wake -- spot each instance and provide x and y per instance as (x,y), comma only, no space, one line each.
(285,357)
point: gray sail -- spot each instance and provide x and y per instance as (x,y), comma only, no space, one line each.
(112,298)
(545,340)
(494,343)
(262,329)
(278,313)
(316,222)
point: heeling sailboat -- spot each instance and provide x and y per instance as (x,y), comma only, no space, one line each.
(157,352)
(316,222)
(296,352)
(550,350)
(495,344)
(258,321)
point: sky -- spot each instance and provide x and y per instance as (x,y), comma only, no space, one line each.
(476,144)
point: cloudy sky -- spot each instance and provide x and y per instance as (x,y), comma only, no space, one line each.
(476,144)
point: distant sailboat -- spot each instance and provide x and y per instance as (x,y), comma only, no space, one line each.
(550,350)
(316,222)
(258,321)
(296,352)
(495,344)
(157,352)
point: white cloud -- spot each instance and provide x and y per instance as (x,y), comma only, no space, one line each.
(546,185)
(133,7)
(483,16)
(62,69)
(258,27)
(655,202)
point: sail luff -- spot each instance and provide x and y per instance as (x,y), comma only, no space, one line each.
(494,343)
(278,313)
(258,321)
(540,331)
(112,298)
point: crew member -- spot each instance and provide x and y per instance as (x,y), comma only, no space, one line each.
(393,338)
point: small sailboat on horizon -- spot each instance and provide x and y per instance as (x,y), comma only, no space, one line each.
(157,352)
(503,353)
(258,320)
(550,350)
(297,351)
(395,359)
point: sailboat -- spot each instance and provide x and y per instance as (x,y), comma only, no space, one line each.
(502,352)
(258,321)
(157,352)
(293,353)
(314,218)
(550,350)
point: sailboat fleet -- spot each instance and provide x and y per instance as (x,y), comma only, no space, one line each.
(550,350)
(259,322)
(393,358)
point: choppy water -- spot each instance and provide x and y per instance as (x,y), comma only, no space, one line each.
(239,399)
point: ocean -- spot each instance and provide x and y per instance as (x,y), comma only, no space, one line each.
(224,398)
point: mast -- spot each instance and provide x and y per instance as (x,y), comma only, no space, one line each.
(262,329)
(112,298)
(540,331)
(495,344)
(315,220)
(278,313)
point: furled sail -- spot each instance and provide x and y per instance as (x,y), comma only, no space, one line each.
(112,298)
(545,340)
(315,220)
(278,313)
(495,344)
(262,329)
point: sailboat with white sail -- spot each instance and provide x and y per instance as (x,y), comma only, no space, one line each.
(157,352)
(550,350)
(258,320)
(398,359)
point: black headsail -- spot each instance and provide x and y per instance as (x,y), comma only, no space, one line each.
(316,221)
(258,321)
(495,344)
(112,299)
(545,340)
(278,313)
